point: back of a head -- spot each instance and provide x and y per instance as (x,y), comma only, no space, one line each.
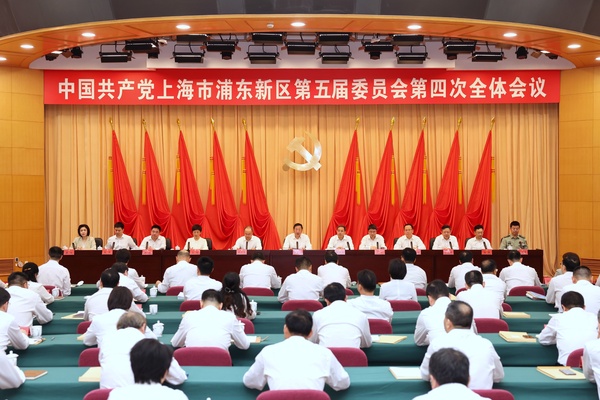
(513,255)
(409,255)
(331,256)
(582,273)
(258,255)
(473,278)
(303,263)
(17,279)
(460,314)
(110,278)
(465,257)
(31,270)
(150,360)
(123,256)
(334,292)
(299,322)
(367,279)
(231,282)
(449,366)
(212,296)
(205,265)
(488,266)
(120,267)
(131,320)
(397,269)
(436,289)
(572,299)
(120,297)
(55,252)
(571,261)
(4,296)
(183,254)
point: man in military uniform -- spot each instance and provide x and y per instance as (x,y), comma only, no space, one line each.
(514,241)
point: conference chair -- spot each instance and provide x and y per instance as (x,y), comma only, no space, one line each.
(168,244)
(574,359)
(189,305)
(405,305)
(49,288)
(308,305)
(258,291)
(380,327)
(248,326)
(490,325)
(522,290)
(395,240)
(506,307)
(97,394)
(431,243)
(99,242)
(495,394)
(83,327)
(421,292)
(89,357)
(293,395)
(134,241)
(460,290)
(350,356)
(349,292)
(174,290)
(203,357)
(209,243)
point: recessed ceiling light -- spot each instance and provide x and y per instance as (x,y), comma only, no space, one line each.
(183,27)
(298,24)
(2,58)
(510,34)
(88,34)
(544,51)
(57,52)
(597,58)
(414,27)
(27,46)
(574,46)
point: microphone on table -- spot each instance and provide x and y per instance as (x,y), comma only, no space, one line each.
(189,245)
(450,243)
(73,245)
(146,245)
(246,245)
(377,243)
(348,244)
(411,246)
(520,244)
(297,244)
(484,245)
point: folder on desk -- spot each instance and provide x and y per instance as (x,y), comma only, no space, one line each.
(535,296)
(31,374)
(390,339)
(91,375)
(555,372)
(406,373)
(77,315)
(515,314)
(517,337)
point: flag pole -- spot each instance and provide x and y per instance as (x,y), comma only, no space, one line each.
(356,123)
(423,123)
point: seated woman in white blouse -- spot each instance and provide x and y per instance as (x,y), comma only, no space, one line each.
(397,288)
(234,298)
(84,241)
(196,242)
(31,270)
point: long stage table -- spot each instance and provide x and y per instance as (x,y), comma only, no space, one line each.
(87,265)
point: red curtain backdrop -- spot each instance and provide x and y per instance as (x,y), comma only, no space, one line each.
(416,205)
(385,202)
(449,207)
(221,211)
(350,209)
(187,208)
(479,210)
(254,210)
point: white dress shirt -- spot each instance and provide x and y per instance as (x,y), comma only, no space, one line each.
(177,275)
(154,391)
(252,244)
(591,362)
(9,331)
(124,242)
(303,285)
(312,367)
(570,331)
(97,304)
(341,325)
(102,325)
(332,272)
(485,303)
(259,274)
(519,275)
(590,293)
(41,291)
(457,275)
(496,285)
(210,327)
(474,244)
(292,242)
(25,304)
(485,367)
(416,275)
(440,243)
(373,307)
(200,244)
(430,322)
(138,294)
(398,289)
(414,242)
(451,391)
(335,243)
(193,289)
(52,273)
(116,365)
(11,376)
(367,243)
(555,288)
(133,274)
(159,244)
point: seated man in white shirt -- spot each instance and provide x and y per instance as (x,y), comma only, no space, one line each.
(457,274)
(569,262)
(409,240)
(591,360)
(97,303)
(582,283)
(193,289)
(150,363)
(155,241)
(445,240)
(248,241)
(297,239)
(210,326)
(517,274)
(371,305)
(313,366)
(332,271)
(485,304)
(125,281)
(25,304)
(303,285)
(54,274)
(414,274)
(259,274)
(120,240)
(430,322)
(339,324)
(196,242)
(449,377)
(372,240)
(485,367)
(178,274)
(114,354)
(9,328)
(397,288)
(492,282)
(478,242)
(340,240)
(11,377)
(572,329)
(123,256)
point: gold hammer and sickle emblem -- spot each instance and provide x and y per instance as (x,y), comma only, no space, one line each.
(312,160)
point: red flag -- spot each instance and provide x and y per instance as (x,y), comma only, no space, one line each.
(350,209)
(416,206)
(254,210)
(221,212)
(187,208)
(385,202)
(479,210)
(449,206)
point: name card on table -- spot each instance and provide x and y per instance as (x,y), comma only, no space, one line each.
(241,252)
(194,252)
(486,252)
(147,252)
(379,252)
(107,252)
(297,252)
(448,252)
(340,252)
(418,251)
(69,252)
(523,252)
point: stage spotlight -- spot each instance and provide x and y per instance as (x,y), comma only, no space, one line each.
(459,46)
(114,56)
(267,38)
(52,56)
(187,57)
(487,56)
(335,56)
(376,48)
(76,52)
(407,40)
(261,55)
(333,39)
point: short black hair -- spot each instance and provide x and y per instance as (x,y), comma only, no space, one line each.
(446,227)
(110,278)
(465,256)
(4,296)
(397,268)
(120,297)
(299,322)
(367,279)
(205,265)
(31,270)
(582,272)
(488,266)
(212,295)
(372,226)
(514,223)
(571,260)
(331,256)
(150,360)
(448,365)
(476,227)
(334,291)
(437,288)
(156,227)
(303,262)
(119,225)
(83,226)
(513,255)
(258,255)
(17,278)
(298,224)
(120,267)
(473,278)
(409,255)
(123,256)
(572,299)
(196,227)
(55,252)
(405,225)
(460,314)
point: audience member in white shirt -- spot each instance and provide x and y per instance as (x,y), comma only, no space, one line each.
(445,240)
(409,240)
(457,274)
(155,241)
(24,303)
(478,242)
(119,240)
(259,274)
(313,365)
(97,303)
(125,281)
(248,241)
(11,377)
(339,324)
(569,262)
(372,240)
(332,271)
(54,274)
(430,322)
(178,274)
(297,239)
(572,329)
(234,298)
(150,363)
(196,242)
(397,288)
(9,328)
(414,274)
(303,285)
(517,274)
(123,256)
(31,270)
(371,305)
(340,240)
(485,304)
(591,360)
(492,282)
(194,288)
(485,367)
(582,278)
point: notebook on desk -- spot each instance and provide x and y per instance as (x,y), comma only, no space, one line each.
(561,373)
